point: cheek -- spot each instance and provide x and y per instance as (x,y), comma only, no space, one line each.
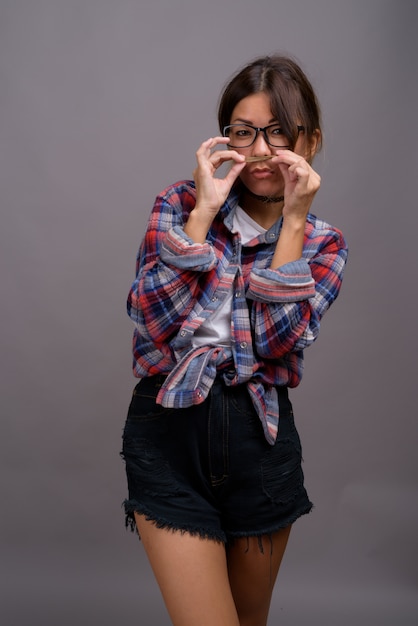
(244,174)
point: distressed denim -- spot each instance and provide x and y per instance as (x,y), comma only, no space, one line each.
(208,469)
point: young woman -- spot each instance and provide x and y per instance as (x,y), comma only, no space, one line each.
(233,277)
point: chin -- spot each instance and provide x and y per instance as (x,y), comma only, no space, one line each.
(265,190)
(263,187)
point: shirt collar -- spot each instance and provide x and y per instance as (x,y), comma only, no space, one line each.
(228,210)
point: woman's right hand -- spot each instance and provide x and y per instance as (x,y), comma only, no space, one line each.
(211,192)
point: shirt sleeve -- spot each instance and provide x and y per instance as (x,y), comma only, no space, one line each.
(289,302)
(168,267)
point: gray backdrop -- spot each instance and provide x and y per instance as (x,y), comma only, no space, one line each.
(103,103)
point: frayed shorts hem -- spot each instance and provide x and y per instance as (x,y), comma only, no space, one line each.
(271,529)
(132,507)
(227,537)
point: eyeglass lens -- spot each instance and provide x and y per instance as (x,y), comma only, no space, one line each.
(243,136)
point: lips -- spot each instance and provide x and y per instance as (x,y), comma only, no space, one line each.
(261,173)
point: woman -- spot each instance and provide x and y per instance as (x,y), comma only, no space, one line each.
(233,277)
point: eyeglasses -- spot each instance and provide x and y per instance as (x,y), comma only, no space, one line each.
(244,135)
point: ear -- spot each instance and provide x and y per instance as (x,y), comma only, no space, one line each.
(313,145)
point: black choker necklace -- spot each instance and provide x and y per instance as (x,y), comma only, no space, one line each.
(266,199)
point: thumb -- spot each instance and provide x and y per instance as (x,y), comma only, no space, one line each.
(234,172)
(284,169)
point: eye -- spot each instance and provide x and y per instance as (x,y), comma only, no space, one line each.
(243,132)
(276,131)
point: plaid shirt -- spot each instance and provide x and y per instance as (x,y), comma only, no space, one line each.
(275,313)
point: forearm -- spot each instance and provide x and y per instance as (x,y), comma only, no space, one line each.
(290,301)
(158,300)
(198,225)
(290,242)
(166,287)
(280,329)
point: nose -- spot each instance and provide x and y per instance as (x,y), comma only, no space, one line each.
(260,145)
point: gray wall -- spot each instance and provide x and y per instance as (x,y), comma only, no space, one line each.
(103,103)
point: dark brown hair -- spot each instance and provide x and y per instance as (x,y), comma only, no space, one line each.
(292,98)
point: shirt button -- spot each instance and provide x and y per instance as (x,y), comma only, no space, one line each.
(243,344)
(182,333)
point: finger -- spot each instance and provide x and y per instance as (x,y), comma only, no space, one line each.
(233,173)
(298,172)
(223,140)
(222,156)
(285,155)
(284,169)
(291,159)
(206,150)
(210,143)
(205,147)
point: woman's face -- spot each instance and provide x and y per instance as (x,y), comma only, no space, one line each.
(262,178)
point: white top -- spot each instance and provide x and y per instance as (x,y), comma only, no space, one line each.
(216,330)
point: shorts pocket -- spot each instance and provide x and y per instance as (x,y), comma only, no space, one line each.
(147,469)
(143,405)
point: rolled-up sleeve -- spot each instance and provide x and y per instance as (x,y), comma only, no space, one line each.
(289,283)
(289,302)
(178,250)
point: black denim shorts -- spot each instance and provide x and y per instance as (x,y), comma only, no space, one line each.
(208,469)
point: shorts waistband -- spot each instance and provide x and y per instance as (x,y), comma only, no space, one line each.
(282,391)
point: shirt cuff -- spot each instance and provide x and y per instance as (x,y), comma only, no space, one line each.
(291,282)
(182,252)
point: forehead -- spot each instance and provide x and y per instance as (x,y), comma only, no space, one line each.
(255,109)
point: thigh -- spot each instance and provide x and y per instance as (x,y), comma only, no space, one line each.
(253,565)
(192,575)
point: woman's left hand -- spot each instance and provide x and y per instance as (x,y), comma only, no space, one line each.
(301,183)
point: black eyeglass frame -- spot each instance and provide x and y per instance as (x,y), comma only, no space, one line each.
(258,130)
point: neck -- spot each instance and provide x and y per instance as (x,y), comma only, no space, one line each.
(265,199)
(265,210)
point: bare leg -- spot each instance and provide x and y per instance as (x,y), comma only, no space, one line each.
(252,575)
(192,575)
